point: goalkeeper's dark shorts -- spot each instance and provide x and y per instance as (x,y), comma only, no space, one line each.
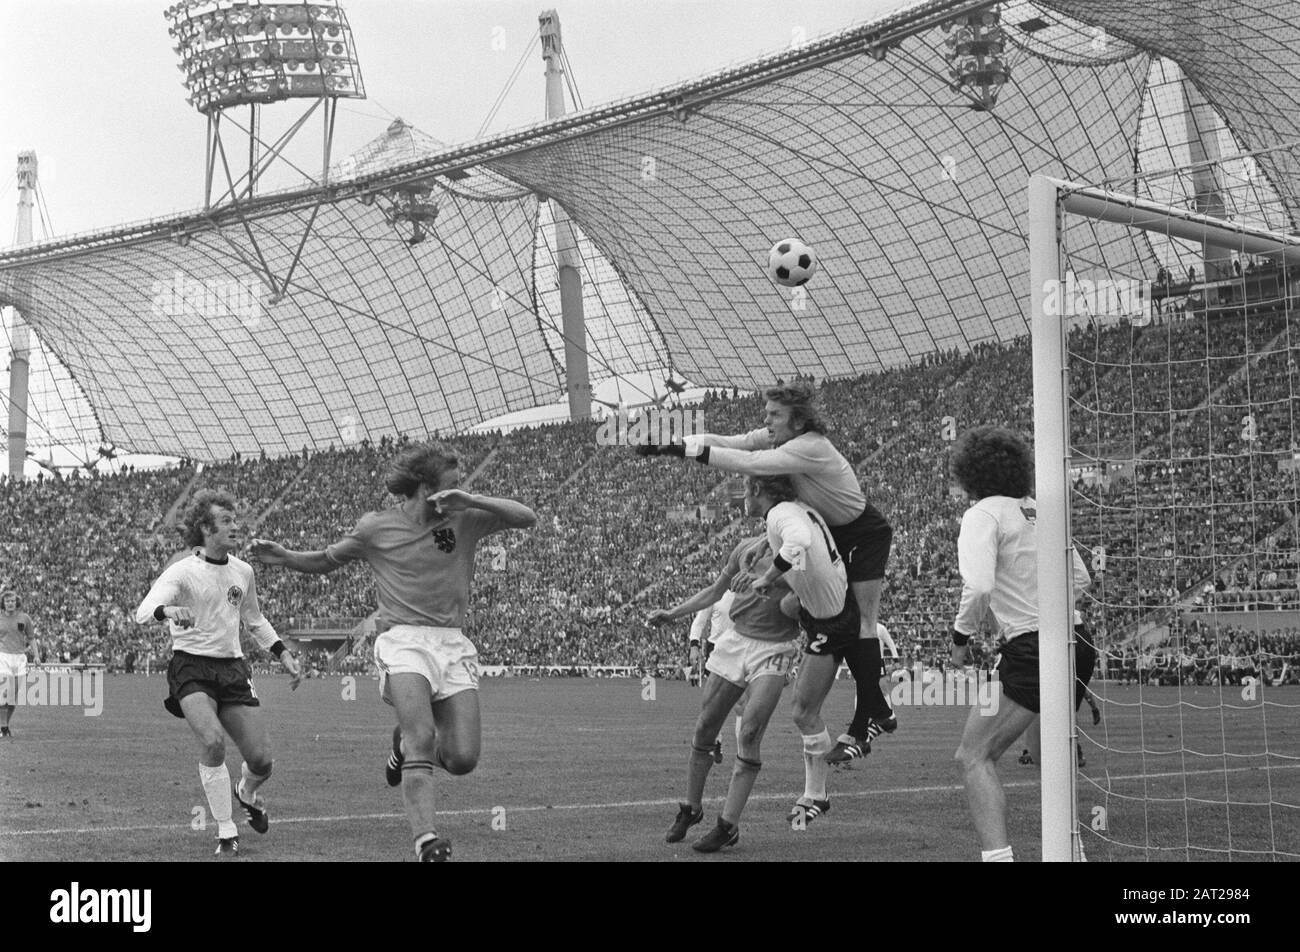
(864,545)
(833,636)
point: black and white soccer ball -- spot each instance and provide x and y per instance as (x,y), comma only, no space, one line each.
(791,263)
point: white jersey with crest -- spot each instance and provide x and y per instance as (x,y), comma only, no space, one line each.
(220,594)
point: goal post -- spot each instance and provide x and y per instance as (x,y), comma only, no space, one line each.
(1051,202)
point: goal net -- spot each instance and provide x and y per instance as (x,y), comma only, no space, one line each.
(1166,331)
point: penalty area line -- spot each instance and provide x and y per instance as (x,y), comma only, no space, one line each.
(620,804)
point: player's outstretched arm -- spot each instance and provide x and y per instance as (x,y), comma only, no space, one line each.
(701,599)
(272,553)
(514,515)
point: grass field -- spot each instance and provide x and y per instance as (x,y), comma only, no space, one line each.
(587,770)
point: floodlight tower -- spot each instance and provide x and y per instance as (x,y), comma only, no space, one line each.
(568,261)
(21,347)
(237,53)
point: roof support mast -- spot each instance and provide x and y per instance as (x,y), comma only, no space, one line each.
(19,335)
(1207,198)
(567,259)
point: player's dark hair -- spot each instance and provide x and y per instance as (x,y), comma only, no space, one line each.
(425,463)
(198,514)
(799,396)
(776,488)
(993,461)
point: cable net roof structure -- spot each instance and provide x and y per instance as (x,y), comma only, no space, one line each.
(912,198)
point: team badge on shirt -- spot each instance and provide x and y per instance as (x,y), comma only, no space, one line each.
(234,595)
(445,539)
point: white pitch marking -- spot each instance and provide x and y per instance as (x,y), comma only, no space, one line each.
(626,804)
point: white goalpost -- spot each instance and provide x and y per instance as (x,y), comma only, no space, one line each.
(1154,798)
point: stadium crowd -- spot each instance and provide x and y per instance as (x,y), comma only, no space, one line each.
(1199,513)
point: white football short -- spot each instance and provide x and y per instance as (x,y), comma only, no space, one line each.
(13,665)
(13,672)
(740,659)
(444,656)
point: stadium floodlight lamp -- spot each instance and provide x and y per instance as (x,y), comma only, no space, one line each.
(243,53)
(974,50)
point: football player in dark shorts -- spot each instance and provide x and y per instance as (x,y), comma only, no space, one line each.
(828,613)
(205,596)
(997,558)
(793,442)
(1085,662)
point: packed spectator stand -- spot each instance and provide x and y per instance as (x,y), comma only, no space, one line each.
(1200,515)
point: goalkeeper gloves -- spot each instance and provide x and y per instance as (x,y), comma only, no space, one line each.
(656,449)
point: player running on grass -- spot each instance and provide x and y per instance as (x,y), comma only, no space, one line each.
(204,597)
(422,555)
(753,654)
(792,442)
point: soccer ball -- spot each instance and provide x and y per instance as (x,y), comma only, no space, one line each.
(791,263)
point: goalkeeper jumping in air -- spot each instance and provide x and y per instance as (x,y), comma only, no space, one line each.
(792,442)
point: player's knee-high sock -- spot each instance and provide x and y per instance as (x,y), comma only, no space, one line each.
(815,768)
(6,711)
(249,782)
(697,771)
(216,787)
(418,794)
(1002,855)
(863,659)
(743,776)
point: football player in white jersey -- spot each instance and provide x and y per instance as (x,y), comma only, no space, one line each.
(997,558)
(809,563)
(204,597)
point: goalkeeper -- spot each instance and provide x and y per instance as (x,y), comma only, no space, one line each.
(793,443)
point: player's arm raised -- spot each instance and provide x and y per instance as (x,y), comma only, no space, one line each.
(701,599)
(310,563)
(512,514)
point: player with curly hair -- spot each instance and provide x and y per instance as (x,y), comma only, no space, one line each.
(997,558)
(205,596)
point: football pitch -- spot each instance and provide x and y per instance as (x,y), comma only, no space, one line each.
(576,769)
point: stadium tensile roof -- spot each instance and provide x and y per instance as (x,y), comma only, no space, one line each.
(913,200)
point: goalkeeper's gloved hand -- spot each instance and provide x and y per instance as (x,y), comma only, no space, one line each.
(656,449)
